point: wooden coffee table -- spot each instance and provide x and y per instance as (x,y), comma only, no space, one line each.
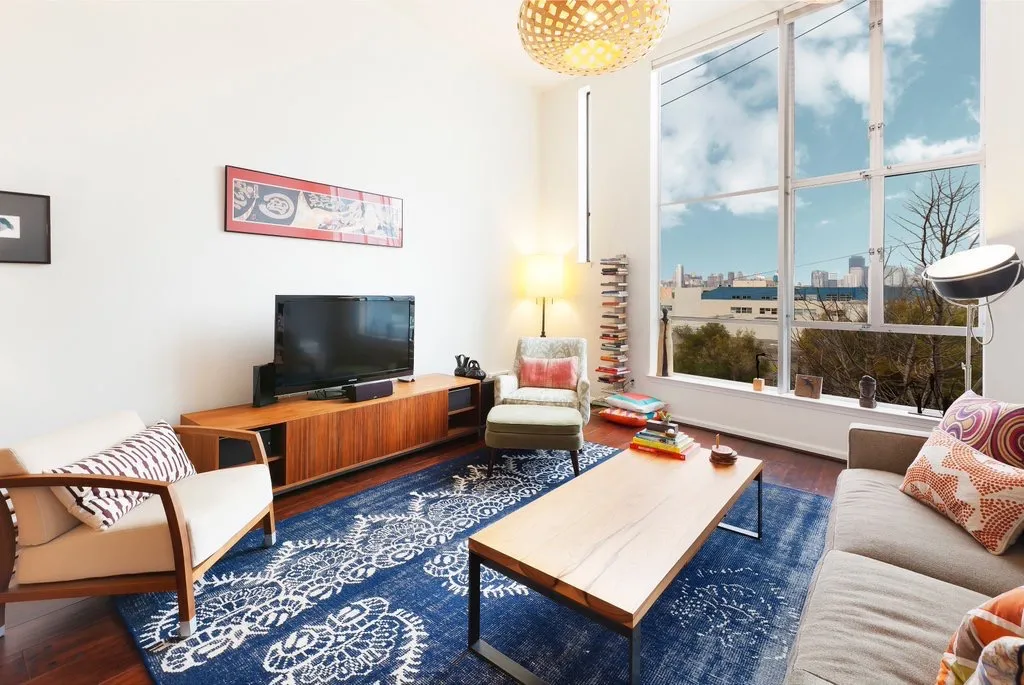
(609,542)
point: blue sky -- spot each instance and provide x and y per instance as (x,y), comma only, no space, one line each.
(723,137)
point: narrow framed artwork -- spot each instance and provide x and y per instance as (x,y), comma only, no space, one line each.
(24,228)
(268,204)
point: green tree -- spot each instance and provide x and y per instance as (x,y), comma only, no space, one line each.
(711,351)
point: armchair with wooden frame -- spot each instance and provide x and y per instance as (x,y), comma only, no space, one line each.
(164,544)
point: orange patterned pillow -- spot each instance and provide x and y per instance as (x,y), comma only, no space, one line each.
(999,617)
(984,496)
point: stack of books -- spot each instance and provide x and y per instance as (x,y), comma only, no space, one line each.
(614,367)
(663,437)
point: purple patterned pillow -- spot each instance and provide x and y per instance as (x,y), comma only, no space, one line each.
(989,426)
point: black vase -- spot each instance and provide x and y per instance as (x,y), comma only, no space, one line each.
(461,361)
(473,370)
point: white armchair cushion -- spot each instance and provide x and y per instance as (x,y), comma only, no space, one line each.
(41,516)
(552,397)
(216,506)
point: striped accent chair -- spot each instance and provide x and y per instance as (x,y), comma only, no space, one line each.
(78,524)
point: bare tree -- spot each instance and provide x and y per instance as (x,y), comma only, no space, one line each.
(935,221)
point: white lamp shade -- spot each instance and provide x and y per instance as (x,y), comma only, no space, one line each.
(544,275)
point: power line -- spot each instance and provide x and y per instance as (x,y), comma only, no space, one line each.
(709,61)
(765,54)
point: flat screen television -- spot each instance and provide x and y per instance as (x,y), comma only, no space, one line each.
(325,341)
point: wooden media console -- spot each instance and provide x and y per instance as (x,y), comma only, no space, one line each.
(312,440)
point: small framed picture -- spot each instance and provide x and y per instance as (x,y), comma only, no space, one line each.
(808,386)
(24,228)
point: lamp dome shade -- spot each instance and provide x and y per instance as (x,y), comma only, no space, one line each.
(587,37)
(544,275)
(977,273)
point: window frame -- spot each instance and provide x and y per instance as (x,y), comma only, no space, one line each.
(583,175)
(875,175)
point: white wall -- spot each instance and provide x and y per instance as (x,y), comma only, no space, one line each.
(126,113)
(621,222)
(1003,211)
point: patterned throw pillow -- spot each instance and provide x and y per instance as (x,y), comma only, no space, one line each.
(561,374)
(634,401)
(152,454)
(1000,663)
(991,427)
(984,496)
(997,618)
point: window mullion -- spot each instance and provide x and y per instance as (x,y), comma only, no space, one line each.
(786,204)
(876,183)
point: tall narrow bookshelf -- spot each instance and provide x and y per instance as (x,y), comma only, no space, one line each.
(613,366)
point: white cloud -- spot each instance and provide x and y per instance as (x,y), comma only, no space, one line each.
(919,149)
(724,137)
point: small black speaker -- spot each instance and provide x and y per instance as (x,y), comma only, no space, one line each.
(369,391)
(263,385)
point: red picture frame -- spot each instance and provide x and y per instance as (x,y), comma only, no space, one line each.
(269,204)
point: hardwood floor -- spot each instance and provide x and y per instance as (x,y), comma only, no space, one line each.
(84,641)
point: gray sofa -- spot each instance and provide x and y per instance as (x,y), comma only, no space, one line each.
(896,577)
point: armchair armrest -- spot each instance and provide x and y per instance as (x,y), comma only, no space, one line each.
(180,546)
(884,449)
(504,385)
(252,437)
(583,395)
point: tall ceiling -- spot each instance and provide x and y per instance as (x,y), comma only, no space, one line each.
(488,28)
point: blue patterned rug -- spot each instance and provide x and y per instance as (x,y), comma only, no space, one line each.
(372,589)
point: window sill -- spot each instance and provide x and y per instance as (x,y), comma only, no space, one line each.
(830,403)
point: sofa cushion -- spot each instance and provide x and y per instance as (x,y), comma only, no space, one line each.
(216,506)
(992,427)
(871,517)
(982,495)
(866,621)
(41,516)
(151,454)
(543,396)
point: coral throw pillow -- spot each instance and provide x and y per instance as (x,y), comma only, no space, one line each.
(984,496)
(999,617)
(626,417)
(562,373)
(989,426)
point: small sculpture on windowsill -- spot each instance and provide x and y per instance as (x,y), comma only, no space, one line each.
(868,386)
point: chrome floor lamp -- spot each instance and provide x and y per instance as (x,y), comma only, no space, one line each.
(974,279)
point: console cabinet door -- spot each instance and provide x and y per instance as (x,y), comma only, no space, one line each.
(319,445)
(413,421)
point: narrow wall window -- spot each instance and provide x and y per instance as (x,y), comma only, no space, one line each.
(583,176)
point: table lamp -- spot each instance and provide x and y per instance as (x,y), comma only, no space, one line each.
(544,276)
(973,279)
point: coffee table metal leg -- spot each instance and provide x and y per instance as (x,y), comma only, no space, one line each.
(746,531)
(634,656)
(474,599)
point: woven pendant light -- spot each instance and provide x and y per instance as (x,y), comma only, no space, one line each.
(583,37)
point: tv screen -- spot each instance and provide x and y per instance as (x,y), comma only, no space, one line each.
(327,341)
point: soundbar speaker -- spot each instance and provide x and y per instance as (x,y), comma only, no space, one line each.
(369,391)
(263,385)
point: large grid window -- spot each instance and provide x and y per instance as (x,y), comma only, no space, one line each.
(815,166)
